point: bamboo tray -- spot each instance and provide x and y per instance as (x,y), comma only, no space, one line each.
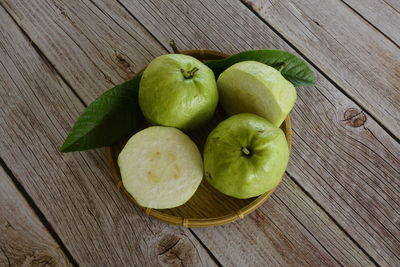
(207,207)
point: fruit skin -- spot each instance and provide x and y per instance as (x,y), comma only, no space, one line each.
(167,98)
(254,87)
(231,171)
(160,167)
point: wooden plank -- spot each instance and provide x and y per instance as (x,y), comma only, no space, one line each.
(288,230)
(383,14)
(97,224)
(363,62)
(72,30)
(348,165)
(351,171)
(357,57)
(341,244)
(24,241)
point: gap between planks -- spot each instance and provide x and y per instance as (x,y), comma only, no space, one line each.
(78,96)
(332,219)
(8,171)
(140,23)
(156,39)
(38,212)
(43,56)
(367,21)
(22,190)
(248,5)
(331,81)
(347,220)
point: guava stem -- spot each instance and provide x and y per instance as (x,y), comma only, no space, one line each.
(189,74)
(173,46)
(246,151)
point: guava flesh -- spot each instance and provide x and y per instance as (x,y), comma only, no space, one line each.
(253,87)
(160,167)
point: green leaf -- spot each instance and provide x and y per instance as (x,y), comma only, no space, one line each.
(112,116)
(292,68)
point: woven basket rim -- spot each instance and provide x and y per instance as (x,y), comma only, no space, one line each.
(200,222)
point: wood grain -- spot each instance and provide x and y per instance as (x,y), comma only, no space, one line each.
(357,57)
(74,191)
(288,230)
(24,241)
(228,33)
(363,62)
(70,35)
(383,14)
(225,254)
(348,164)
(351,168)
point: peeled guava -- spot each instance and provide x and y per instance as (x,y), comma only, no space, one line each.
(254,87)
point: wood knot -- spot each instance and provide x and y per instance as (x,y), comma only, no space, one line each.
(121,60)
(37,259)
(126,66)
(175,250)
(354,117)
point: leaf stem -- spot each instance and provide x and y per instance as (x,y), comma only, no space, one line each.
(281,67)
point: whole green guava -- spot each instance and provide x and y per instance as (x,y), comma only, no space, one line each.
(245,156)
(178,91)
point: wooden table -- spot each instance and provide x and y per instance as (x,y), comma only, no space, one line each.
(339,203)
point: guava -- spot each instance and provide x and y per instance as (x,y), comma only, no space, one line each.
(160,167)
(254,87)
(178,91)
(245,156)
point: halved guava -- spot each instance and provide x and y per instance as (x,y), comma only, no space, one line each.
(161,167)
